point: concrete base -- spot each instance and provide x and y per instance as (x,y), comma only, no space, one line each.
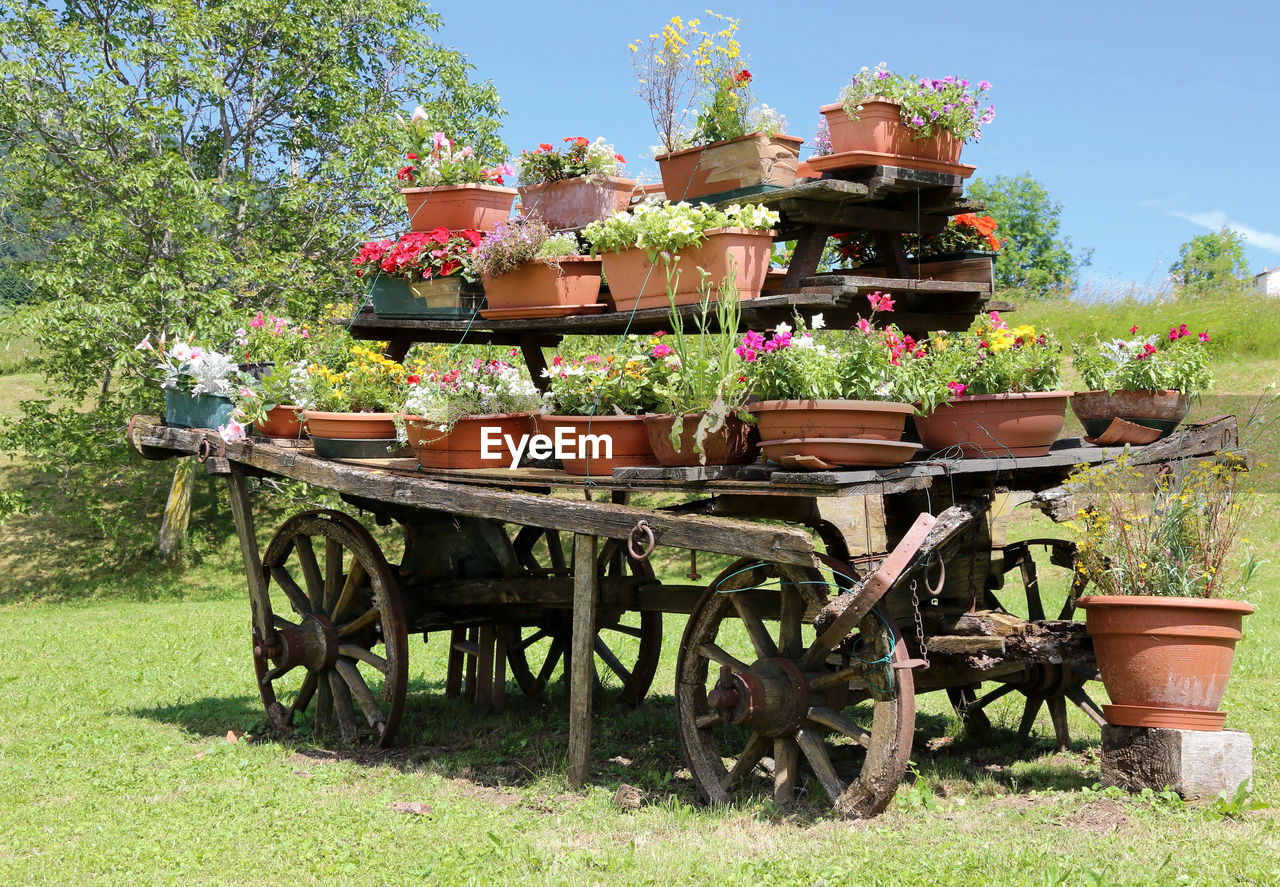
(1197,764)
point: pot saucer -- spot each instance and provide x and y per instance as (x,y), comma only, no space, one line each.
(824,453)
(1169,718)
(854,159)
(534,311)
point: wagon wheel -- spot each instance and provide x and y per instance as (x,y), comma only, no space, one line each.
(628,643)
(1043,684)
(745,693)
(338,636)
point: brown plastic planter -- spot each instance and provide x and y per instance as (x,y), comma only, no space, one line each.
(457,207)
(734,444)
(573,203)
(996,425)
(573,282)
(844,419)
(350,426)
(283,421)
(630,441)
(463,445)
(754,161)
(880,130)
(1143,416)
(636,282)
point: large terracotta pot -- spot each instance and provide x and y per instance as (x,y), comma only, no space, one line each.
(1165,661)
(350,426)
(574,281)
(283,421)
(457,207)
(573,203)
(633,278)
(996,425)
(755,161)
(1132,417)
(463,446)
(734,444)
(627,442)
(850,419)
(879,129)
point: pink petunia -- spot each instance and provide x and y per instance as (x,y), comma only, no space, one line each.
(864,326)
(1204,337)
(957,388)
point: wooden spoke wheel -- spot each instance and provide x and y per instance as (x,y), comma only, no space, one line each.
(628,643)
(337,645)
(757,692)
(1048,685)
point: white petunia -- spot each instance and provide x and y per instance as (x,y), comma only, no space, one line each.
(817,322)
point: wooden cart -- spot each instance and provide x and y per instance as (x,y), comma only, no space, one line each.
(847,596)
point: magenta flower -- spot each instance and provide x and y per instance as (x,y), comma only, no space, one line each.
(1133,329)
(880,301)
(863,326)
(257,322)
(983,84)
(747,354)
(1204,337)
(661,350)
(957,388)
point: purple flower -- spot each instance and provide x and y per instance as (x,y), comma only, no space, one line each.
(883,75)
(983,84)
(989,115)
(948,80)
(964,83)
(933,115)
(917,120)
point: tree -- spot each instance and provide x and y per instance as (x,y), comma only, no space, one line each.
(1210,261)
(1034,257)
(177,160)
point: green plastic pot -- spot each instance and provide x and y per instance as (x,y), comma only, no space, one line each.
(182,410)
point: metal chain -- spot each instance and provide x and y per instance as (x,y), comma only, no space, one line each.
(915,606)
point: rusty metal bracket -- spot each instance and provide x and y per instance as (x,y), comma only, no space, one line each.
(641,526)
(205,448)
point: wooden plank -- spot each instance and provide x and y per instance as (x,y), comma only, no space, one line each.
(582,646)
(851,216)
(242,512)
(857,284)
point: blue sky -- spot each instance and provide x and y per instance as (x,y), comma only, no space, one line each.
(1150,123)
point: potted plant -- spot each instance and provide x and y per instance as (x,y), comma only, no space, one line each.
(422,274)
(701,385)
(1140,387)
(573,187)
(915,121)
(197,383)
(1160,550)
(998,391)
(835,398)
(451,418)
(447,186)
(357,397)
(637,247)
(596,403)
(732,147)
(529,272)
(272,386)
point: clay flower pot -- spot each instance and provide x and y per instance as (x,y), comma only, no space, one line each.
(573,281)
(462,446)
(880,130)
(754,162)
(636,282)
(350,426)
(1165,661)
(996,425)
(624,438)
(734,444)
(847,419)
(1129,417)
(574,203)
(457,207)
(283,421)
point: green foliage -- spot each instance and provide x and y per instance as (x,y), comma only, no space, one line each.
(1034,258)
(670,227)
(925,105)
(619,381)
(993,358)
(1174,361)
(1208,263)
(582,158)
(1234,805)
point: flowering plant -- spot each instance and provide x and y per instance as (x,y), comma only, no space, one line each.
(670,227)
(992,357)
(925,105)
(1177,360)
(288,383)
(621,383)
(190,368)
(583,158)
(865,363)
(434,159)
(516,241)
(967,232)
(368,382)
(1170,535)
(266,338)
(684,62)
(477,388)
(418,256)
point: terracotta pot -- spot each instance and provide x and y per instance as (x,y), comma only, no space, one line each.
(350,426)
(573,203)
(848,419)
(634,278)
(1165,661)
(537,285)
(880,129)
(456,207)
(624,439)
(1143,416)
(996,425)
(463,446)
(825,453)
(734,444)
(283,421)
(756,161)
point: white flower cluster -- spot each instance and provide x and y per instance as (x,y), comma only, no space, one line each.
(209,371)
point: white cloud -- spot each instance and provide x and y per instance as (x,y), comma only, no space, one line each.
(1216,220)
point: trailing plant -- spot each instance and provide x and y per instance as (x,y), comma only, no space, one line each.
(516,241)
(581,159)
(435,159)
(666,227)
(926,106)
(1177,360)
(419,256)
(190,368)
(993,358)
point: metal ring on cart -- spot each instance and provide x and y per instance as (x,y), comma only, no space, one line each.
(935,590)
(641,526)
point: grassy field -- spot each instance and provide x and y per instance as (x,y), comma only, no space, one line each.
(121,678)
